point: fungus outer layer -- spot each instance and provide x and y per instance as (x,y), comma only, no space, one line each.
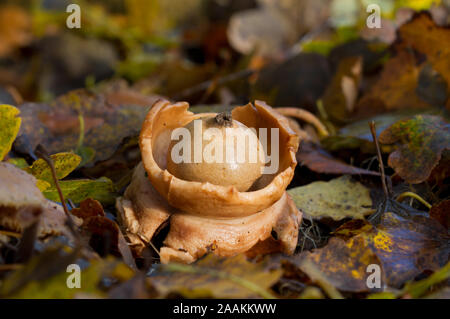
(202,217)
(205,199)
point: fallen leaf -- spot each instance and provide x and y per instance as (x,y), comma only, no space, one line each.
(216,277)
(343,264)
(418,75)
(15,29)
(340,97)
(320,161)
(9,127)
(422,34)
(65,163)
(88,208)
(38,281)
(36,270)
(19,162)
(358,135)
(104,234)
(396,87)
(101,189)
(406,246)
(299,81)
(337,199)
(107,121)
(423,139)
(441,212)
(21,203)
(417,289)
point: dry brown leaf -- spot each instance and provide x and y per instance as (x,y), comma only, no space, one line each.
(15,29)
(21,203)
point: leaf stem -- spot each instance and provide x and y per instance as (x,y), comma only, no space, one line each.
(81,136)
(387,193)
(415,196)
(42,153)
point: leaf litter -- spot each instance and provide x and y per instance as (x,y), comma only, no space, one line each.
(306,57)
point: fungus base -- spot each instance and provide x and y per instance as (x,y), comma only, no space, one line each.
(143,211)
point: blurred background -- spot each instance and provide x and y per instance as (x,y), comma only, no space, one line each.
(202,51)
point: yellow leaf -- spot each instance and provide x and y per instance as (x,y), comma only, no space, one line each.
(9,127)
(212,276)
(339,198)
(65,163)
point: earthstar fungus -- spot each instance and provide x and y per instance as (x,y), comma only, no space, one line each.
(204,217)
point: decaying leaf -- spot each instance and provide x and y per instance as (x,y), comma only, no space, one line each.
(64,163)
(320,161)
(402,247)
(298,81)
(9,127)
(423,139)
(423,35)
(37,280)
(406,246)
(417,289)
(418,75)
(108,118)
(340,97)
(101,189)
(441,212)
(212,276)
(103,234)
(357,134)
(337,199)
(342,263)
(396,87)
(15,28)
(88,208)
(21,203)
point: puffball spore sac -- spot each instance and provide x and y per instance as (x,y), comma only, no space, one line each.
(218,150)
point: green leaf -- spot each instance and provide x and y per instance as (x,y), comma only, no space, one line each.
(86,153)
(101,189)
(9,128)
(64,163)
(422,140)
(212,276)
(19,162)
(338,199)
(419,288)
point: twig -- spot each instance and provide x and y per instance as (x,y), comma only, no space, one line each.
(387,192)
(7,267)
(42,153)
